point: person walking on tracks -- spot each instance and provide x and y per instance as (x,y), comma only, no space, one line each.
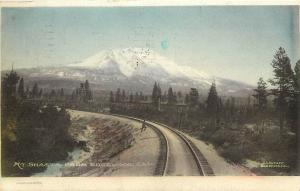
(144,126)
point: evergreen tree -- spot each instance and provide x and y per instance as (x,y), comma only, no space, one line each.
(35,91)
(221,105)
(232,107)
(194,97)
(141,96)
(61,94)
(227,108)
(9,104)
(174,97)
(123,97)
(249,108)
(164,97)
(179,94)
(156,94)
(136,97)
(297,76)
(294,114)
(261,94)
(21,92)
(283,82)
(111,97)
(90,95)
(131,98)
(9,85)
(86,86)
(212,101)
(118,95)
(170,96)
(76,92)
(41,93)
(187,99)
(73,96)
(27,92)
(82,92)
(52,94)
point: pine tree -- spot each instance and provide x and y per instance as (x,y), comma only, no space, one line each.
(164,97)
(73,96)
(156,94)
(8,93)
(297,76)
(41,93)
(232,107)
(212,101)
(131,98)
(187,99)
(21,92)
(141,96)
(261,94)
(221,105)
(283,82)
(27,92)
(9,84)
(123,98)
(170,96)
(82,92)
(9,108)
(295,113)
(194,97)
(227,108)
(76,92)
(86,86)
(174,97)
(179,94)
(111,97)
(35,91)
(118,95)
(62,94)
(52,94)
(136,97)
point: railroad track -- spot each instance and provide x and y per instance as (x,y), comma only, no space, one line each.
(203,165)
(162,167)
(163,158)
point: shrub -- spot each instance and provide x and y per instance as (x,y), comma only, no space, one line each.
(233,153)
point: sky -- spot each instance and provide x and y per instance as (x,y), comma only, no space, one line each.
(232,42)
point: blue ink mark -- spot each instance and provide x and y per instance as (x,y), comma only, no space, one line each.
(164,44)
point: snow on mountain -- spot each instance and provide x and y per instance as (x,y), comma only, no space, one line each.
(134,69)
(142,62)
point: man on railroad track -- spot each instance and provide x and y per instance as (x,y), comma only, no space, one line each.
(144,126)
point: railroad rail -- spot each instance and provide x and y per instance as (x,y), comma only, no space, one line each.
(161,168)
(203,165)
(163,157)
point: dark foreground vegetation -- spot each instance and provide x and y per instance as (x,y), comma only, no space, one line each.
(32,134)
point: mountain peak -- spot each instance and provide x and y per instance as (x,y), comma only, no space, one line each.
(140,61)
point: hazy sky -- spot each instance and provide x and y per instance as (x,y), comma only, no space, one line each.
(232,42)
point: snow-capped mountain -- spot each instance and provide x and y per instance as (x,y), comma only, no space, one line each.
(140,62)
(134,69)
